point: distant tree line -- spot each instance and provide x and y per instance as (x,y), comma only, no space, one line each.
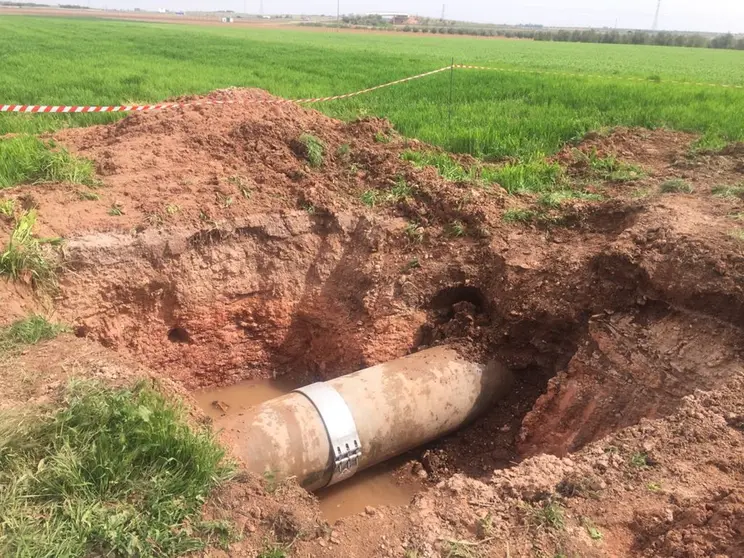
(24,5)
(36,5)
(661,38)
(369,20)
(539,33)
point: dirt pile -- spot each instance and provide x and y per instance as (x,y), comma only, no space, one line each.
(202,164)
(233,256)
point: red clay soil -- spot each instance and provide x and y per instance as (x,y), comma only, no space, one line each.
(236,259)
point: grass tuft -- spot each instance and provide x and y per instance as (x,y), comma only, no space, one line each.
(411,265)
(445,165)
(241,185)
(28,331)
(531,177)
(548,515)
(23,258)
(273,551)
(7,208)
(116,210)
(485,526)
(738,234)
(610,168)
(519,216)
(381,137)
(224,200)
(456,229)
(271,482)
(707,143)
(639,460)
(343,151)
(414,232)
(26,159)
(727,191)
(534,176)
(401,191)
(106,473)
(458,549)
(87,195)
(314,150)
(594,533)
(370,198)
(641,193)
(676,186)
(309,208)
(556,199)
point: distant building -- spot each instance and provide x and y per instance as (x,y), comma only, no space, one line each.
(227,20)
(394,18)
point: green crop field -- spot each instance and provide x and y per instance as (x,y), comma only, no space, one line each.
(492,113)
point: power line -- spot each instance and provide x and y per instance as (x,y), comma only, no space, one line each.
(656,17)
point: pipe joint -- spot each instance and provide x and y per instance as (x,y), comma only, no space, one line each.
(346,449)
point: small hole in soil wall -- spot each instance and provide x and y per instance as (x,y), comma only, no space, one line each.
(445,299)
(82,331)
(179,335)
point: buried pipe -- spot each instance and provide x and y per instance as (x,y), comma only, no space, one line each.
(325,432)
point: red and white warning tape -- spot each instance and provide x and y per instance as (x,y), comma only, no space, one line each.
(159,106)
(118,108)
(375,88)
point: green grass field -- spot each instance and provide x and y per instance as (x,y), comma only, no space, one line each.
(493,114)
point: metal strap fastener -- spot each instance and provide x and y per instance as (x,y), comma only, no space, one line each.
(340,427)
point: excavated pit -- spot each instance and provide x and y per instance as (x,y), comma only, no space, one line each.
(298,298)
(328,311)
(235,261)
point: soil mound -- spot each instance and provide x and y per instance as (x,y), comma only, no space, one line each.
(214,162)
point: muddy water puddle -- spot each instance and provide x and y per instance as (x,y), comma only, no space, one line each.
(377,486)
(221,402)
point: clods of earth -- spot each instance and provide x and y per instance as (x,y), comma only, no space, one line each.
(258,239)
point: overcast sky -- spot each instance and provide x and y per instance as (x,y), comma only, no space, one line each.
(698,15)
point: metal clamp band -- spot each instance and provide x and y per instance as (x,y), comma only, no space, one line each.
(340,427)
